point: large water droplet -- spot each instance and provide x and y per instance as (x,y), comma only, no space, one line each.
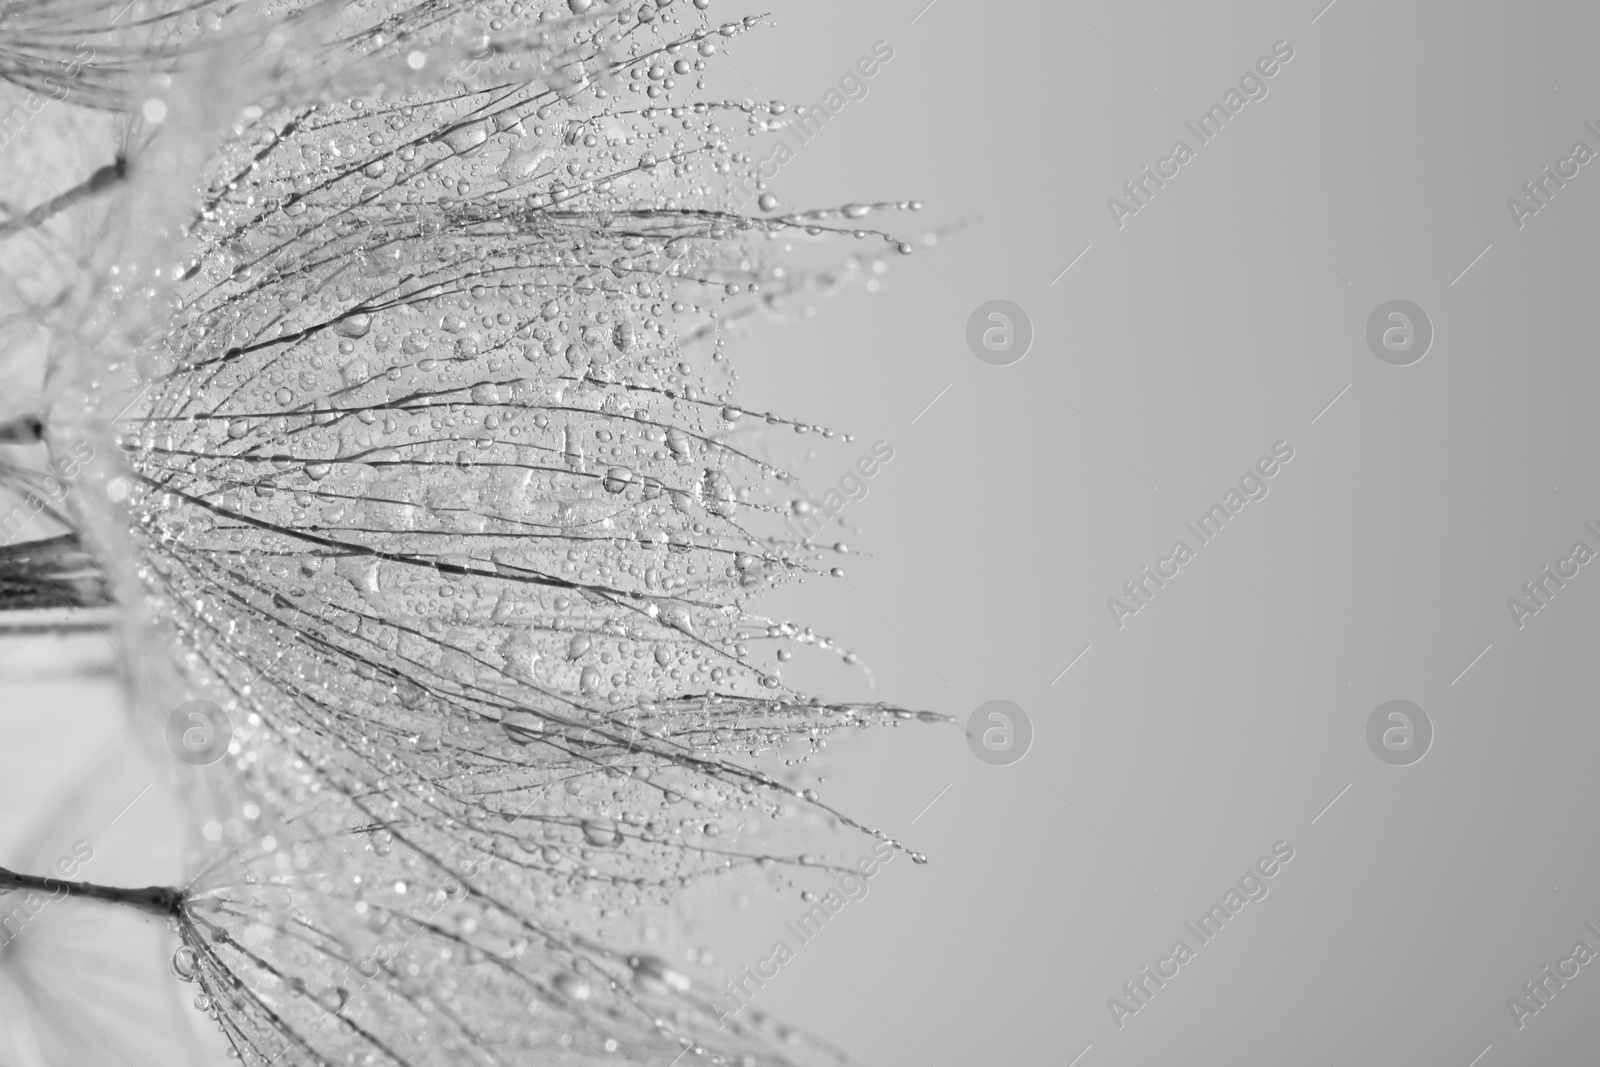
(468,137)
(353,325)
(617,479)
(717,492)
(677,442)
(503,608)
(589,679)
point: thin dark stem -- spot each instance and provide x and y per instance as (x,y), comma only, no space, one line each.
(155,899)
(99,181)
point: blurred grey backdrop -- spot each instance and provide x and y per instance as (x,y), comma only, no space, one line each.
(1173,347)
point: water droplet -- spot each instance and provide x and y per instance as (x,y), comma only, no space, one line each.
(601,833)
(465,138)
(617,479)
(185,964)
(718,493)
(353,325)
(503,608)
(589,679)
(522,726)
(571,986)
(578,646)
(678,442)
(333,999)
(652,975)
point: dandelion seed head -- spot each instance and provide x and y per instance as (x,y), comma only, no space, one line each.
(432,471)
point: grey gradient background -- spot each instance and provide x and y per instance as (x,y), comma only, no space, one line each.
(1227,715)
